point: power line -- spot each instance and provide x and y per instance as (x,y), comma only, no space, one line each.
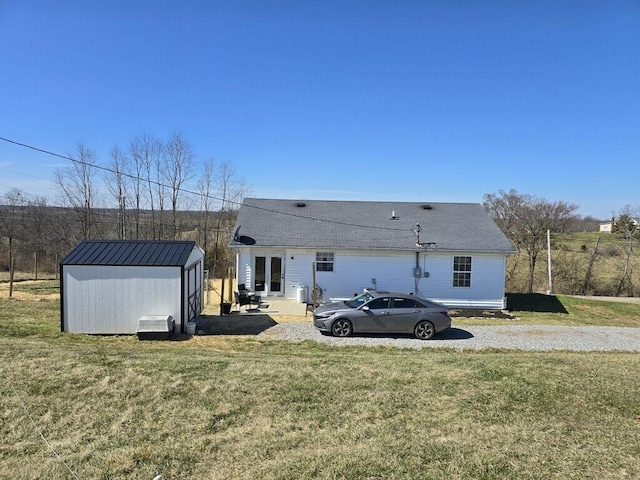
(200,194)
(35,425)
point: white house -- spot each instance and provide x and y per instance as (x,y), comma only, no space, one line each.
(452,253)
(108,285)
(606,227)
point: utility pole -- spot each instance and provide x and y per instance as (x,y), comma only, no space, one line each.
(549,261)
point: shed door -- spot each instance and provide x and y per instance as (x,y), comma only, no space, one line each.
(194,291)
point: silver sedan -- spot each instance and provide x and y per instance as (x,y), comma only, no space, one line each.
(382,312)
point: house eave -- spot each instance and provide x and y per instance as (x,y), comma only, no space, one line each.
(375,249)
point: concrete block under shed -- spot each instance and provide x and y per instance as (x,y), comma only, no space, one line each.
(155,327)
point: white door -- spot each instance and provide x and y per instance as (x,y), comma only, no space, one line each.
(269,276)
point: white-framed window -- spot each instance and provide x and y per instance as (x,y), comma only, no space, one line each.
(461,271)
(324,262)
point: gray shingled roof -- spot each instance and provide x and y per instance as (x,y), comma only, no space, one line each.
(367,225)
(130,253)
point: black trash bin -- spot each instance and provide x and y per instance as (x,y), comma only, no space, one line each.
(226,308)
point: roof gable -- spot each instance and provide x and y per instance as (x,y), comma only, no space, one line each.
(158,253)
(367,225)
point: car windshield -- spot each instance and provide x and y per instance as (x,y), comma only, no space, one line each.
(359,300)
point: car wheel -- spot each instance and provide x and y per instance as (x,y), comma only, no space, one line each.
(341,328)
(424,330)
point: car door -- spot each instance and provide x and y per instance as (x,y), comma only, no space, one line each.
(372,316)
(404,312)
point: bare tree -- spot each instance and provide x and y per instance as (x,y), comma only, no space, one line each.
(231,190)
(11,221)
(156,179)
(628,228)
(588,275)
(525,219)
(118,185)
(178,169)
(206,189)
(141,149)
(37,222)
(78,186)
(146,153)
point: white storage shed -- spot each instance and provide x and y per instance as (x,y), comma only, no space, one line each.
(108,285)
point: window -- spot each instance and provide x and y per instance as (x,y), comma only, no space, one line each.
(324,262)
(379,303)
(461,271)
(406,303)
(359,300)
(261,273)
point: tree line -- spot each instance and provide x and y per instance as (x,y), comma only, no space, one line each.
(159,189)
(151,188)
(610,267)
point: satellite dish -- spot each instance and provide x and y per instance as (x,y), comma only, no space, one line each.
(236,234)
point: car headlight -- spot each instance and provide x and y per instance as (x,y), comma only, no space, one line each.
(323,314)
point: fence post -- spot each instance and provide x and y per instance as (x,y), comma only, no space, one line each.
(12,267)
(208,286)
(314,295)
(232,287)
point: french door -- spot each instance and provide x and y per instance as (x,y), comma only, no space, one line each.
(269,274)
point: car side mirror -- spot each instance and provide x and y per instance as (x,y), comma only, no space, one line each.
(364,308)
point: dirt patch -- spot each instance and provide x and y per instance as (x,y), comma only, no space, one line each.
(29,290)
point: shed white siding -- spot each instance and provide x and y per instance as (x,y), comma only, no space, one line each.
(355,270)
(111,299)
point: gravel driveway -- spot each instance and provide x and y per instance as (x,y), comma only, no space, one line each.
(519,337)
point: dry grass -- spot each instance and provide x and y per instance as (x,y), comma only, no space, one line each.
(117,408)
(230,406)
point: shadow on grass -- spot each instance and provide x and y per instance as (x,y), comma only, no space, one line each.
(534,302)
(235,324)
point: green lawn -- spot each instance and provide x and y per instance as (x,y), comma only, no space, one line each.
(539,309)
(221,407)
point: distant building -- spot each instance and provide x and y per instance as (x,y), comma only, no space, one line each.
(606,227)
(609,226)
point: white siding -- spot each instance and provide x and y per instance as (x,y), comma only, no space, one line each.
(197,255)
(298,272)
(244,267)
(110,300)
(355,270)
(487,282)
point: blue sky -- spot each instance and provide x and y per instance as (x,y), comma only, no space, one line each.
(411,100)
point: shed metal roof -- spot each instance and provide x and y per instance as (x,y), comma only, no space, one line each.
(358,225)
(156,253)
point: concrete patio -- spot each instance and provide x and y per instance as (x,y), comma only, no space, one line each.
(269,306)
(251,321)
